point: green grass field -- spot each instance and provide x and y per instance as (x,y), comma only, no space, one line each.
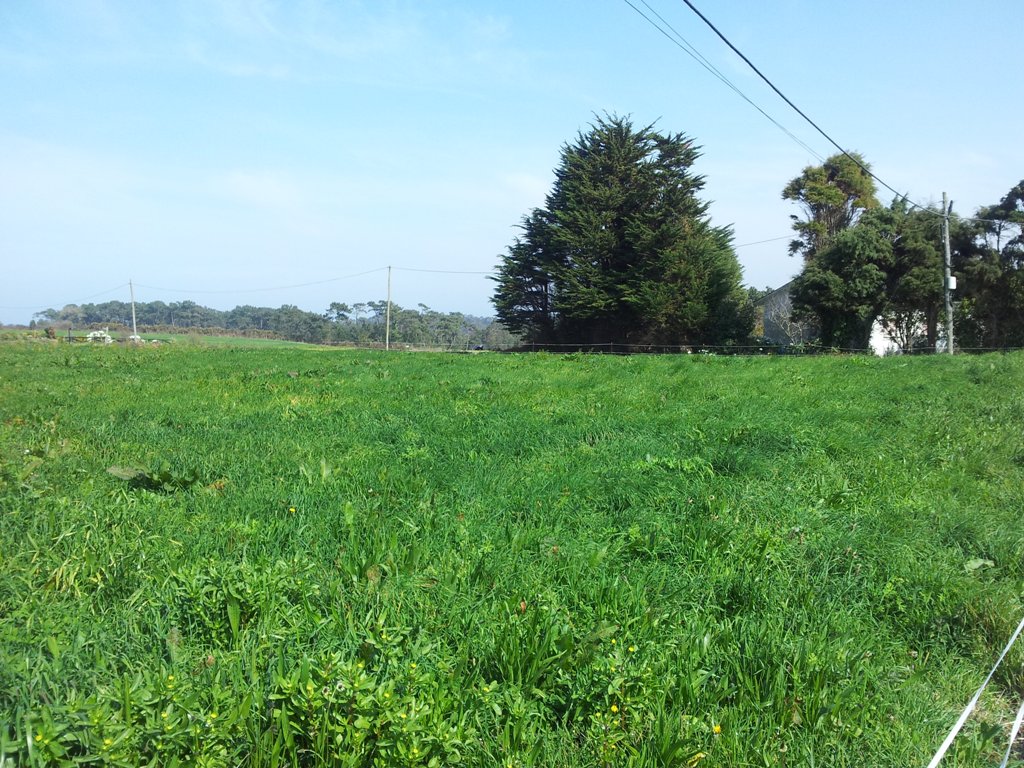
(218,341)
(193,339)
(284,557)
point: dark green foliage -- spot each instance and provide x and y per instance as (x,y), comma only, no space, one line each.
(888,265)
(362,323)
(623,250)
(915,297)
(843,286)
(833,195)
(989,258)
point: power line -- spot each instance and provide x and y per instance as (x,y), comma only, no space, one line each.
(686,47)
(680,42)
(86,298)
(813,124)
(797,109)
(769,240)
(260,290)
(207,291)
(443,271)
(306,285)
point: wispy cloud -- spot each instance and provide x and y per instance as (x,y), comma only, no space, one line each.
(349,33)
(394,44)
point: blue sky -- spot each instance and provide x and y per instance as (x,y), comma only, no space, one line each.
(220,150)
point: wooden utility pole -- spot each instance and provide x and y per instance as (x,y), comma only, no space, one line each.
(949,283)
(387,316)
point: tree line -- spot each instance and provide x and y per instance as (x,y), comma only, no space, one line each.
(624,251)
(359,323)
(864,261)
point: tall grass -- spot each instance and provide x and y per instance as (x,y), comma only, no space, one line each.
(294,557)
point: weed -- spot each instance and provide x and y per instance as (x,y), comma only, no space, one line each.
(429,560)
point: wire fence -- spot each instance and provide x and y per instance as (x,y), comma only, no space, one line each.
(626,348)
(120,333)
(948,742)
(475,340)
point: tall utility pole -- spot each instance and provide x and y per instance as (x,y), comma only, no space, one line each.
(949,283)
(387,316)
(131,290)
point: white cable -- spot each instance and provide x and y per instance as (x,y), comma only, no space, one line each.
(1013,735)
(973,702)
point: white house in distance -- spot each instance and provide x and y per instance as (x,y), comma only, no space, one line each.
(780,328)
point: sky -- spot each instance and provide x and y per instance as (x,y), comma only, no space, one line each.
(274,152)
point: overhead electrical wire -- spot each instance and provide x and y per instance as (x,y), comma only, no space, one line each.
(315,282)
(86,298)
(816,127)
(795,108)
(260,290)
(442,271)
(686,47)
(680,42)
(819,129)
(772,85)
(306,285)
(761,242)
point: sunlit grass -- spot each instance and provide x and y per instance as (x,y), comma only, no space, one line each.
(193,338)
(359,559)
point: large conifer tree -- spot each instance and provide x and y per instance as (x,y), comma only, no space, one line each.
(623,250)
